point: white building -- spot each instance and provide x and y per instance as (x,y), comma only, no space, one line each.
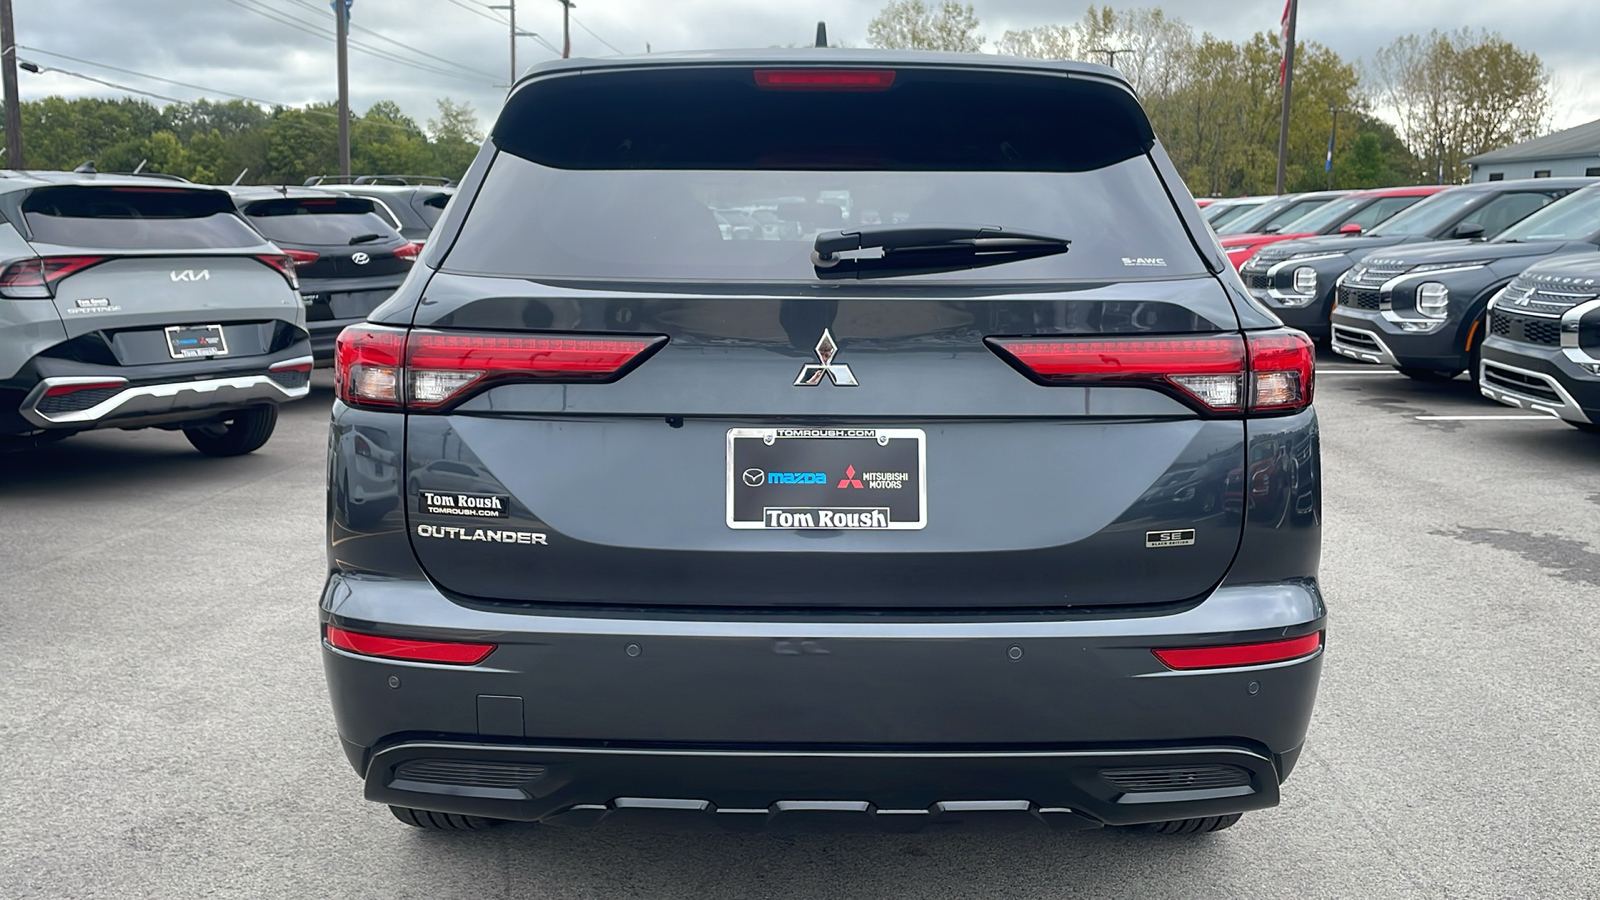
(1573,152)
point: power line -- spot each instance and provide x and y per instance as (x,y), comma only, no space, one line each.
(383,37)
(203,89)
(110,84)
(310,28)
(478,10)
(596,36)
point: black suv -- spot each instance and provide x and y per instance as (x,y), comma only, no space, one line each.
(1008,504)
(1543,348)
(1421,309)
(411,203)
(348,256)
(1296,278)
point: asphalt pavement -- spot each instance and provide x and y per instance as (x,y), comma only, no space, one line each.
(165,732)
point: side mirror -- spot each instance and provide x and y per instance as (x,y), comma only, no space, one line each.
(1350,228)
(1468,230)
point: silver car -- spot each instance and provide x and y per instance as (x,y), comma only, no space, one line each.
(130,302)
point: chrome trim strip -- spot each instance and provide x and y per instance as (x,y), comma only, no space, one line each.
(1569,332)
(535,750)
(1568,409)
(1389,286)
(1273,271)
(251,383)
(1384,356)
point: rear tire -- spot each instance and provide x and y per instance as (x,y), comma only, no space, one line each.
(438,821)
(1193,826)
(244,432)
(1417,374)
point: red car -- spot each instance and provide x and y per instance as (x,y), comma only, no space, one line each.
(1351,214)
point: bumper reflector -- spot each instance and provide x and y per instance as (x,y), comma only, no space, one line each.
(1240,654)
(400,648)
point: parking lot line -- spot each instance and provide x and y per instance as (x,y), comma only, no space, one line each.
(1484,418)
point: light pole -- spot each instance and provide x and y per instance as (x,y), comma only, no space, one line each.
(341,15)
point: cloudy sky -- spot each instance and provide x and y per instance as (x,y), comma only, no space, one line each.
(415,51)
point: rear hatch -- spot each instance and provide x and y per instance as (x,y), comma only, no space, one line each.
(348,255)
(124,263)
(703,422)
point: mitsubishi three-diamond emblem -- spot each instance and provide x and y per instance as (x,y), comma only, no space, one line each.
(838,373)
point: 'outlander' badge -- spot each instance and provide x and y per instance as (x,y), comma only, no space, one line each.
(839,374)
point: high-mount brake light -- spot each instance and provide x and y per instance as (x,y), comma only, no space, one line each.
(35,279)
(430,370)
(449,652)
(824,79)
(1265,372)
(409,251)
(1240,654)
(283,264)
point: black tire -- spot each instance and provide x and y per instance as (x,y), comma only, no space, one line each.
(1417,374)
(1193,826)
(438,821)
(243,432)
(1587,427)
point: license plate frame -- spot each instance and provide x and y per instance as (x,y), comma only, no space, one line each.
(196,341)
(893,464)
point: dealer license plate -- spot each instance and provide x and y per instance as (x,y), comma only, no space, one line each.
(196,341)
(838,479)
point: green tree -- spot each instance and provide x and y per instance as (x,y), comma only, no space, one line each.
(300,143)
(914,25)
(455,138)
(1457,94)
(386,141)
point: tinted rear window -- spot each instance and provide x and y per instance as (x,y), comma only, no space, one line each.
(318,220)
(653,174)
(135,218)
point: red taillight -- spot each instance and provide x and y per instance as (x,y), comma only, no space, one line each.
(283,264)
(1266,372)
(57,390)
(293,365)
(1240,654)
(824,79)
(367,365)
(454,653)
(1283,365)
(409,251)
(35,279)
(380,366)
(303,257)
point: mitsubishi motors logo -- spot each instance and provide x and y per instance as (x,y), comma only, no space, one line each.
(850,480)
(839,374)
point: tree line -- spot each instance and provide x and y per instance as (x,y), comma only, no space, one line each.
(213,143)
(1216,104)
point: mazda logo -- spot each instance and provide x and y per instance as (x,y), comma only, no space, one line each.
(754,478)
(360,259)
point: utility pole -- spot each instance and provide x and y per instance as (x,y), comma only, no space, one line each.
(1111,55)
(8,74)
(512,6)
(566,28)
(1290,13)
(341,15)
(1332,137)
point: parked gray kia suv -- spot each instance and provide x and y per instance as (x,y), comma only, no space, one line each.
(132,302)
(1008,504)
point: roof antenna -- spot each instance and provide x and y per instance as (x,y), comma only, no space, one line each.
(140,167)
(240,177)
(822,34)
(87,168)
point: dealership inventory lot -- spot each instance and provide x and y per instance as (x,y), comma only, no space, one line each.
(166,729)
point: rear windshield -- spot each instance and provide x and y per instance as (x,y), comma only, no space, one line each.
(318,220)
(1572,218)
(135,218)
(661,176)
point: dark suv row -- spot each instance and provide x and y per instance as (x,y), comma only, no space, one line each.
(1006,505)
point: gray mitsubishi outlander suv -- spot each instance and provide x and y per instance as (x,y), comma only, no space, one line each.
(984,490)
(140,303)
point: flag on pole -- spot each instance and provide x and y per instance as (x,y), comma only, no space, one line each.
(1328,166)
(1283,42)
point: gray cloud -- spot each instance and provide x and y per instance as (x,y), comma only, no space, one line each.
(219,45)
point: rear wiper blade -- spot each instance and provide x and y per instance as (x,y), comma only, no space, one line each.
(923,249)
(366,238)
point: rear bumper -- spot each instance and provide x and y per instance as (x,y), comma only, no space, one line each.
(747,713)
(1540,378)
